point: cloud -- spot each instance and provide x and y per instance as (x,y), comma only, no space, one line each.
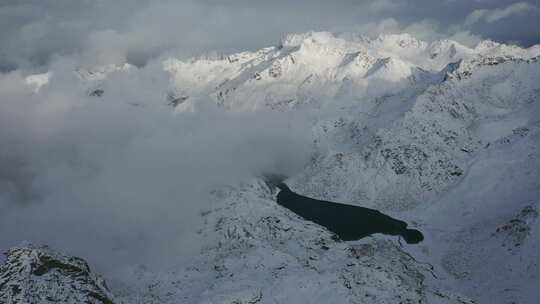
(120,179)
(121,184)
(466,38)
(493,15)
(137,31)
(428,30)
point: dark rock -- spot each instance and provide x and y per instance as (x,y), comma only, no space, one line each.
(39,275)
(97,93)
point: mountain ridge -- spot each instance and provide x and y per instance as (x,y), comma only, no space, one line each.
(443,135)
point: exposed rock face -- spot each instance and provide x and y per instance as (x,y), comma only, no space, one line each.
(39,275)
(515,232)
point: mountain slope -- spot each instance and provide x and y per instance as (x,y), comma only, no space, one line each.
(436,133)
(39,275)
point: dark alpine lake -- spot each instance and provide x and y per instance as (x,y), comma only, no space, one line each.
(346,221)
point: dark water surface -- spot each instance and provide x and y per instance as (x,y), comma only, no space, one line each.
(347,221)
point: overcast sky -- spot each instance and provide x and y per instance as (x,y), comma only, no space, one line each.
(101,31)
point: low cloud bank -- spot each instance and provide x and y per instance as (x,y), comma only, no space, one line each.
(121,179)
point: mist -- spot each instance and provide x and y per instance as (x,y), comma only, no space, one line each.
(121,180)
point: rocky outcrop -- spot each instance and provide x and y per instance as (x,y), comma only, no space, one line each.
(515,232)
(38,275)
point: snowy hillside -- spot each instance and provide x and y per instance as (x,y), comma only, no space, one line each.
(441,135)
(39,275)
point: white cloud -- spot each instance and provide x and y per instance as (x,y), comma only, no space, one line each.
(428,30)
(493,15)
(514,9)
(127,180)
(384,26)
(466,38)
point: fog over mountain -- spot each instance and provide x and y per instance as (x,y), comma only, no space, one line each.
(144,137)
(97,31)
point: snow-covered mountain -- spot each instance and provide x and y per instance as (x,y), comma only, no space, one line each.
(38,275)
(439,134)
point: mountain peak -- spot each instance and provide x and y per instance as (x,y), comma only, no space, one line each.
(486,44)
(292,40)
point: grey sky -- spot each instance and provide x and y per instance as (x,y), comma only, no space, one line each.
(98,31)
